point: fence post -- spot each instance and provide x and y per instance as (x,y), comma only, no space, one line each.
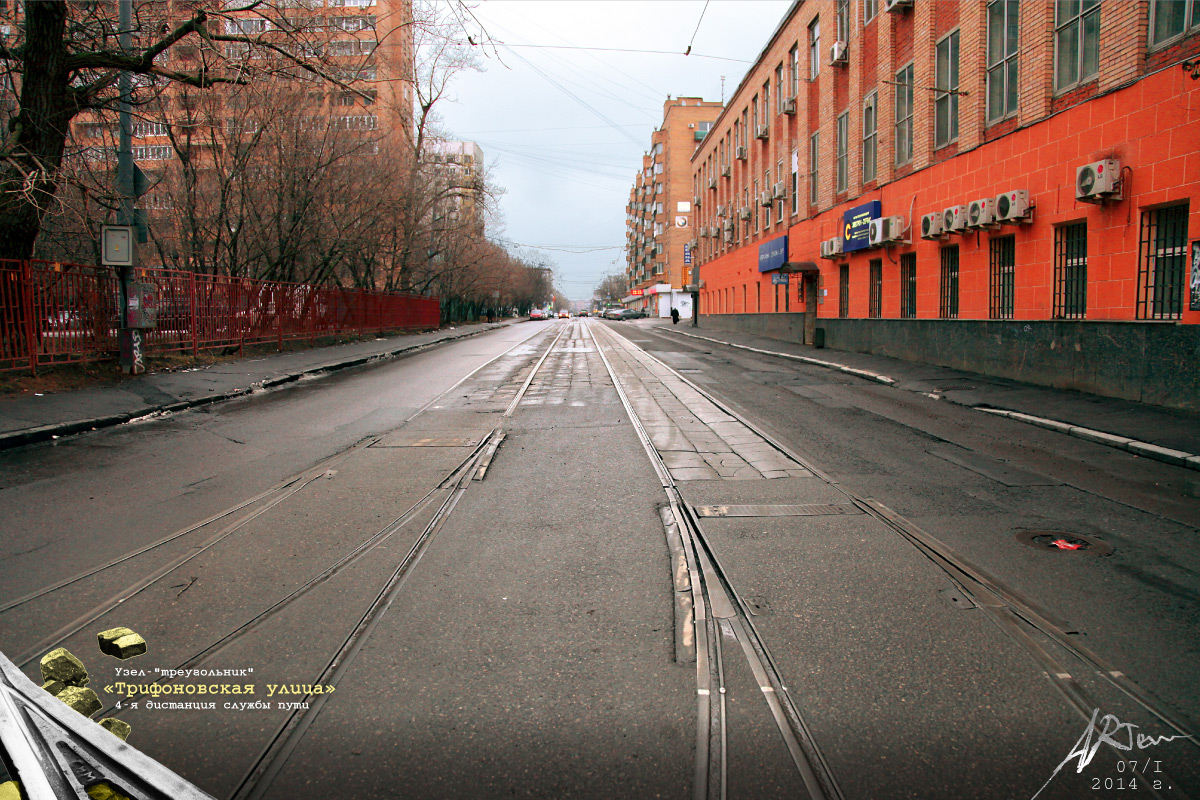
(27,311)
(194,316)
(279,316)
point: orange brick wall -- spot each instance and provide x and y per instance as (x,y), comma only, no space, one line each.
(1151,125)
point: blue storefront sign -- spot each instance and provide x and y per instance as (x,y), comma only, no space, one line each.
(856,226)
(772,254)
(780,278)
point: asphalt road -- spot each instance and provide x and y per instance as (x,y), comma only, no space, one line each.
(519,635)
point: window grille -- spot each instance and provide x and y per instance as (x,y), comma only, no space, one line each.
(1161,263)
(876,309)
(844,290)
(948,308)
(1070,271)
(1002,277)
(908,285)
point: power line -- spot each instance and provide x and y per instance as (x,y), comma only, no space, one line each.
(627,50)
(688,52)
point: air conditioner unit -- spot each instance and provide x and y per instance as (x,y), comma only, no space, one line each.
(1013,207)
(765,199)
(789,106)
(762,131)
(721,211)
(1099,181)
(740,152)
(696,200)
(744,212)
(831,248)
(837,53)
(886,230)
(779,191)
(712,183)
(727,225)
(728,238)
(981,213)
(931,226)
(726,171)
(954,219)
(896,5)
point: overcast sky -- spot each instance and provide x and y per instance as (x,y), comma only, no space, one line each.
(564,130)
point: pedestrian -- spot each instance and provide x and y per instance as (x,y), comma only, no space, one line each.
(674,315)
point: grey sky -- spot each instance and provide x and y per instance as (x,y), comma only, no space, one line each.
(564,129)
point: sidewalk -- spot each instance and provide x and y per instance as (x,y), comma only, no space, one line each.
(33,418)
(1159,433)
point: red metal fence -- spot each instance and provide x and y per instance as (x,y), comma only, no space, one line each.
(52,313)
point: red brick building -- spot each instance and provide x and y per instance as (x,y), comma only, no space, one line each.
(1069,135)
(660,215)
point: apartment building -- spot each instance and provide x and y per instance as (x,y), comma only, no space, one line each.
(463,167)
(660,212)
(999,186)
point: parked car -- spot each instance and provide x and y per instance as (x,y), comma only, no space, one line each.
(537,313)
(613,313)
(631,313)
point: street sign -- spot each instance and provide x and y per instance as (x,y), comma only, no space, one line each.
(779,278)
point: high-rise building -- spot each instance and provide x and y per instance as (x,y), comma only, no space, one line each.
(660,212)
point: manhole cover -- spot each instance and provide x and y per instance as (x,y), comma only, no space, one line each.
(1064,542)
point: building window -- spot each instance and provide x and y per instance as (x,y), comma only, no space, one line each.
(844,290)
(1172,18)
(843,21)
(1002,276)
(870,139)
(795,181)
(1076,42)
(876,304)
(766,104)
(794,71)
(904,115)
(143,129)
(948,308)
(814,156)
(814,49)
(754,199)
(152,153)
(843,151)
(779,90)
(1161,263)
(869,10)
(1002,39)
(1070,271)
(908,285)
(946,102)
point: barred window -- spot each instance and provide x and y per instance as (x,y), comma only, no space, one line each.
(1002,277)
(1162,262)
(876,304)
(1070,271)
(908,285)
(844,290)
(948,308)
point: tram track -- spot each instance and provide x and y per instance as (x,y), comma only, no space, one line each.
(270,761)
(1017,616)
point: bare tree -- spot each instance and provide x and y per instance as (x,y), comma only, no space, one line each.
(65,60)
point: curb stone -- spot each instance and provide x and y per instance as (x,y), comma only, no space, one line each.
(1177,458)
(41,433)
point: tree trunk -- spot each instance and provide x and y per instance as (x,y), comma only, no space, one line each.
(28,179)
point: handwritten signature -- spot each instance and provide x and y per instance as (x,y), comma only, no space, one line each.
(1085,749)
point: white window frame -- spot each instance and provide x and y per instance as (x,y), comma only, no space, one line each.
(1191,21)
(904,123)
(814,168)
(814,48)
(946,99)
(843,153)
